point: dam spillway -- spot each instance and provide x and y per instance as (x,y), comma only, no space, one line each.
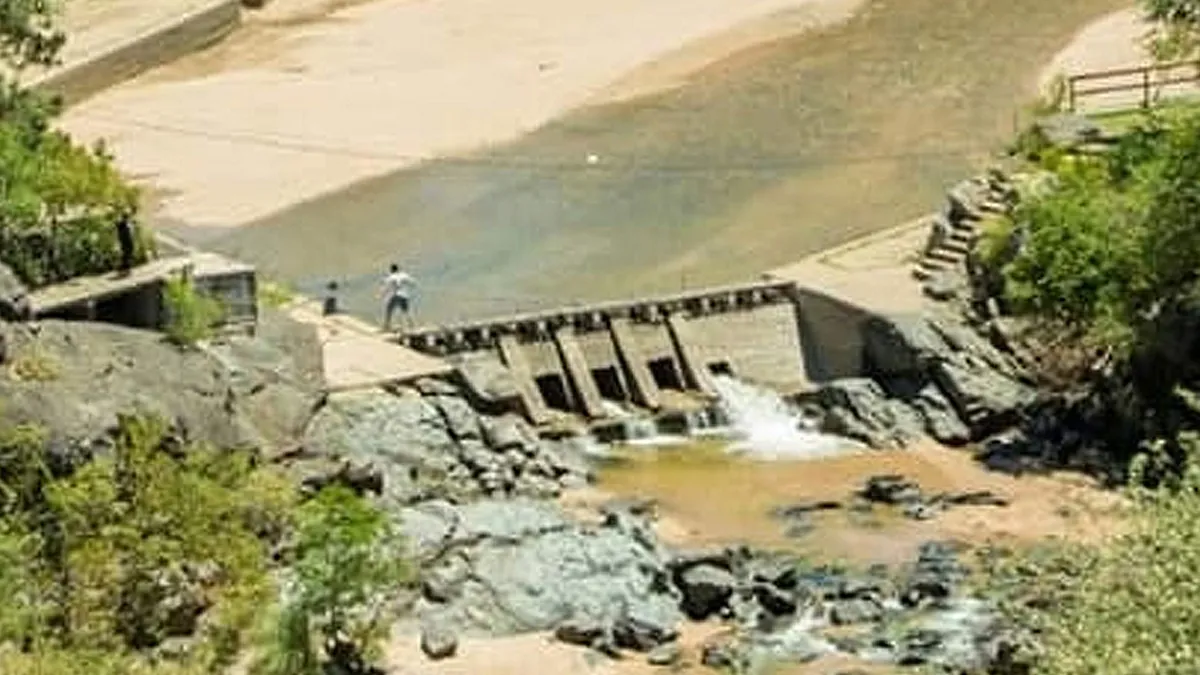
(574,359)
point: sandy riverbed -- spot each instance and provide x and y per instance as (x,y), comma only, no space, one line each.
(314,95)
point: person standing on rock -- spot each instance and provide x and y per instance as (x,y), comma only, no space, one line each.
(396,290)
(125,240)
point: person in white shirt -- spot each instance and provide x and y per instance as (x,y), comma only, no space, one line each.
(395,292)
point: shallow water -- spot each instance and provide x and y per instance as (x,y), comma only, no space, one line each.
(776,153)
(709,495)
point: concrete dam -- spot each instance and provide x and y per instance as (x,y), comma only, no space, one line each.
(641,351)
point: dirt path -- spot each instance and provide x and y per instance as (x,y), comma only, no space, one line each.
(779,152)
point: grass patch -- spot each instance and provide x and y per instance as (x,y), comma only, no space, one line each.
(275,295)
(35,365)
(191,314)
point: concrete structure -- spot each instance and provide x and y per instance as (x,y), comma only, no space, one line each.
(356,355)
(114,40)
(136,299)
(575,358)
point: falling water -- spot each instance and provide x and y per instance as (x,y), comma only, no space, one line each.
(766,427)
(639,429)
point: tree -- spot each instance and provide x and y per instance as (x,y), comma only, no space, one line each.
(57,198)
(1177,27)
(156,539)
(348,564)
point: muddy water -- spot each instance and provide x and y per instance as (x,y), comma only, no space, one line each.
(778,152)
(709,497)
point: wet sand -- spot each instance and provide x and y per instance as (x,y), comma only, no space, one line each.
(780,151)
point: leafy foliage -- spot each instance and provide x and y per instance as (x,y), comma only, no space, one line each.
(348,564)
(1116,239)
(58,200)
(1130,608)
(191,314)
(1177,27)
(156,540)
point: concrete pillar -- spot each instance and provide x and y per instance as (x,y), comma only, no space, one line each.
(518,367)
(637,373)
(695,369)
(576,367)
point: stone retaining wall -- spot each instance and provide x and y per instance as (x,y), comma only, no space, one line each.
(127,58)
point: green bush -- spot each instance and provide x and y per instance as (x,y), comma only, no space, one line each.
(126,551)
(191,314)
(349,563)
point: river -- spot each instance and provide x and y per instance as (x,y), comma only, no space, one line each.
(775,153)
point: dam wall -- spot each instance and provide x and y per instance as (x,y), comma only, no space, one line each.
(648,351)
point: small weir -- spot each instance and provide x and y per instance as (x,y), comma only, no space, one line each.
(755,421)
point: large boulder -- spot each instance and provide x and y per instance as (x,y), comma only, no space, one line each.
(901,346)
(859,408)
(73,378)
(533,568)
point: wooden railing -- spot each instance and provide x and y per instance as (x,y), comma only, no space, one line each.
(1148,79)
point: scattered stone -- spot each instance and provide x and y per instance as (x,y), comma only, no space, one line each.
(664,655)
(580,631)
(438,641)
(706,590)
(854,611)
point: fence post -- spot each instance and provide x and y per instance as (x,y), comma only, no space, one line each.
(1145,87)
(1071,94)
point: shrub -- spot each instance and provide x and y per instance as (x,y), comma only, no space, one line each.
(191,314)
(349,563)
(131,548)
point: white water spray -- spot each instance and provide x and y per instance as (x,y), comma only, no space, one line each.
(766,427)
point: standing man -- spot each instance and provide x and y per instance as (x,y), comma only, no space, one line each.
(395,292)
(125,240)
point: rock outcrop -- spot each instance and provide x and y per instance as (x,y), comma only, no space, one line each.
(73,378)
(427,442)
(930,374)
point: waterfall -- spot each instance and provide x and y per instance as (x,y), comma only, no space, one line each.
(765,427)
(639,429)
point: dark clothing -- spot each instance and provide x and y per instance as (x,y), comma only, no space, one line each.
(330,306)
(125,239)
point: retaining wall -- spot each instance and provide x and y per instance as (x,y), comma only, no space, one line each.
(130,56)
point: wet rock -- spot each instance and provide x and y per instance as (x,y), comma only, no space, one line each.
(891,489)
(641,632)
(664,655)
(438,641)
(848,612)
(706,590)
(858,408)
(774,599)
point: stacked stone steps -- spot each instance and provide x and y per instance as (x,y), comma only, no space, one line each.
(955,230)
